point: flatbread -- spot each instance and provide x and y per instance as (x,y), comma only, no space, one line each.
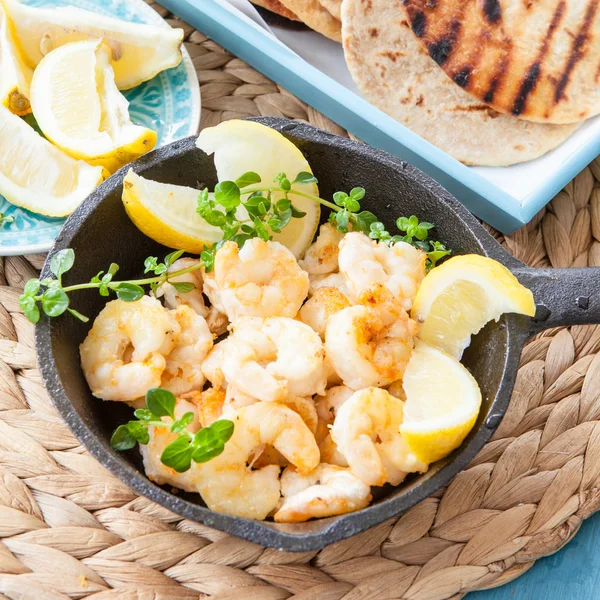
(276,7)
(538,60)
(334,7)
(316,16)
(396,75)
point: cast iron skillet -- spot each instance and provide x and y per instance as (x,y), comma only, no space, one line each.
(100,233)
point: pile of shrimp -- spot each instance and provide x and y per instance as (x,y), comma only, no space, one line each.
(310,371)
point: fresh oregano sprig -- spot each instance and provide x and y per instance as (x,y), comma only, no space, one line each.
(199,447)
(50,296)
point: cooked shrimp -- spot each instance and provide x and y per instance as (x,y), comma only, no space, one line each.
(228,485)
(209,404)
(183,371)
(317,310)
(322,257)
(326,492)
(160,438)
(262,279)
(236,399)
(365,262)
(212,367)
(217,322)
(370,344)
(194,298)
(366,432)
(122,356)
(271,359)
(333,280)
(327,407)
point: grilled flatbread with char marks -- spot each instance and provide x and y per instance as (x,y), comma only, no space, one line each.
(395,74)
(533,59)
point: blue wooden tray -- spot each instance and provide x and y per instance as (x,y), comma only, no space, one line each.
(265,53)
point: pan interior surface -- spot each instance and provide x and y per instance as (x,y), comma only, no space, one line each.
(100,233)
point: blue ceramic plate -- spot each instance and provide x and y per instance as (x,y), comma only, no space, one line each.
(169,104)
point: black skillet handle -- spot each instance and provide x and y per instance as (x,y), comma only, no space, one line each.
(563,296)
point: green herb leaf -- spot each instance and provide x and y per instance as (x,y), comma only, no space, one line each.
(208,258)
(362,221)
(32,313)
(182,423)
(296,213)
(178,454)
(340,198)
(143,414)
(150,264)
(54,302)
(172,257)
(261,231)
(247,179)
(304,177)
(223,428)
(122,439)
(62,261)
(183,287)
(341,218)
(357,193)
(129,292)
(32,287)
(161,402)
(285,184)
(227,194)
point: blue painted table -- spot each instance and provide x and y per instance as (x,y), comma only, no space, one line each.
(573,573)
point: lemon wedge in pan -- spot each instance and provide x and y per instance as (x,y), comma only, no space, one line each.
(460,296)
(243,146)
(442,403)
(167,214)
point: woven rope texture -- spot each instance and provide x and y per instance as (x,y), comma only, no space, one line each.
(69,529)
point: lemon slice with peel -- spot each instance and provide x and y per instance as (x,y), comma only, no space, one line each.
(442,403)
(15,75)
(243,146)
(79,108)
(38,176)
(167,214)
(460,296)
(138,51)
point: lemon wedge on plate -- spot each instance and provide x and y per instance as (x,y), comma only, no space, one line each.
(15,75)
(460,296)
(138,51)
(243,146)
(442,403)
(36,175)
(79,108)
(167,213)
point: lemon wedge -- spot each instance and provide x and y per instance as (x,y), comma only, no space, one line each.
(243,146)
(15,75)
(79,108)
(36,175)
(139,52)
(167,214)
(442,403)
(460,296)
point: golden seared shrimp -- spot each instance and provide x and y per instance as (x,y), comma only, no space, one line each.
(326,492)
(332,280)
(209,404)
(122,356)
(365,262)
(263,279)
(160,438)
(366,431)
(327,407)
(212,366)
(228,485)
(317,310)
(271,359)
(183,371)
(370,344)
(322,256)
(194,298)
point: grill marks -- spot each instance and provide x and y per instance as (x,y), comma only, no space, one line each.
(578,49)
(492,11)
(533,74)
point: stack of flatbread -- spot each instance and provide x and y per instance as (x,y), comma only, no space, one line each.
(490,82)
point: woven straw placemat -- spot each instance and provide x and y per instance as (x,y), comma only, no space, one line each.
(70,529)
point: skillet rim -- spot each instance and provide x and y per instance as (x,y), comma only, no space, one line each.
(261,532)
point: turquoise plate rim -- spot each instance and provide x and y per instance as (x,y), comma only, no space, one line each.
(20,249)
